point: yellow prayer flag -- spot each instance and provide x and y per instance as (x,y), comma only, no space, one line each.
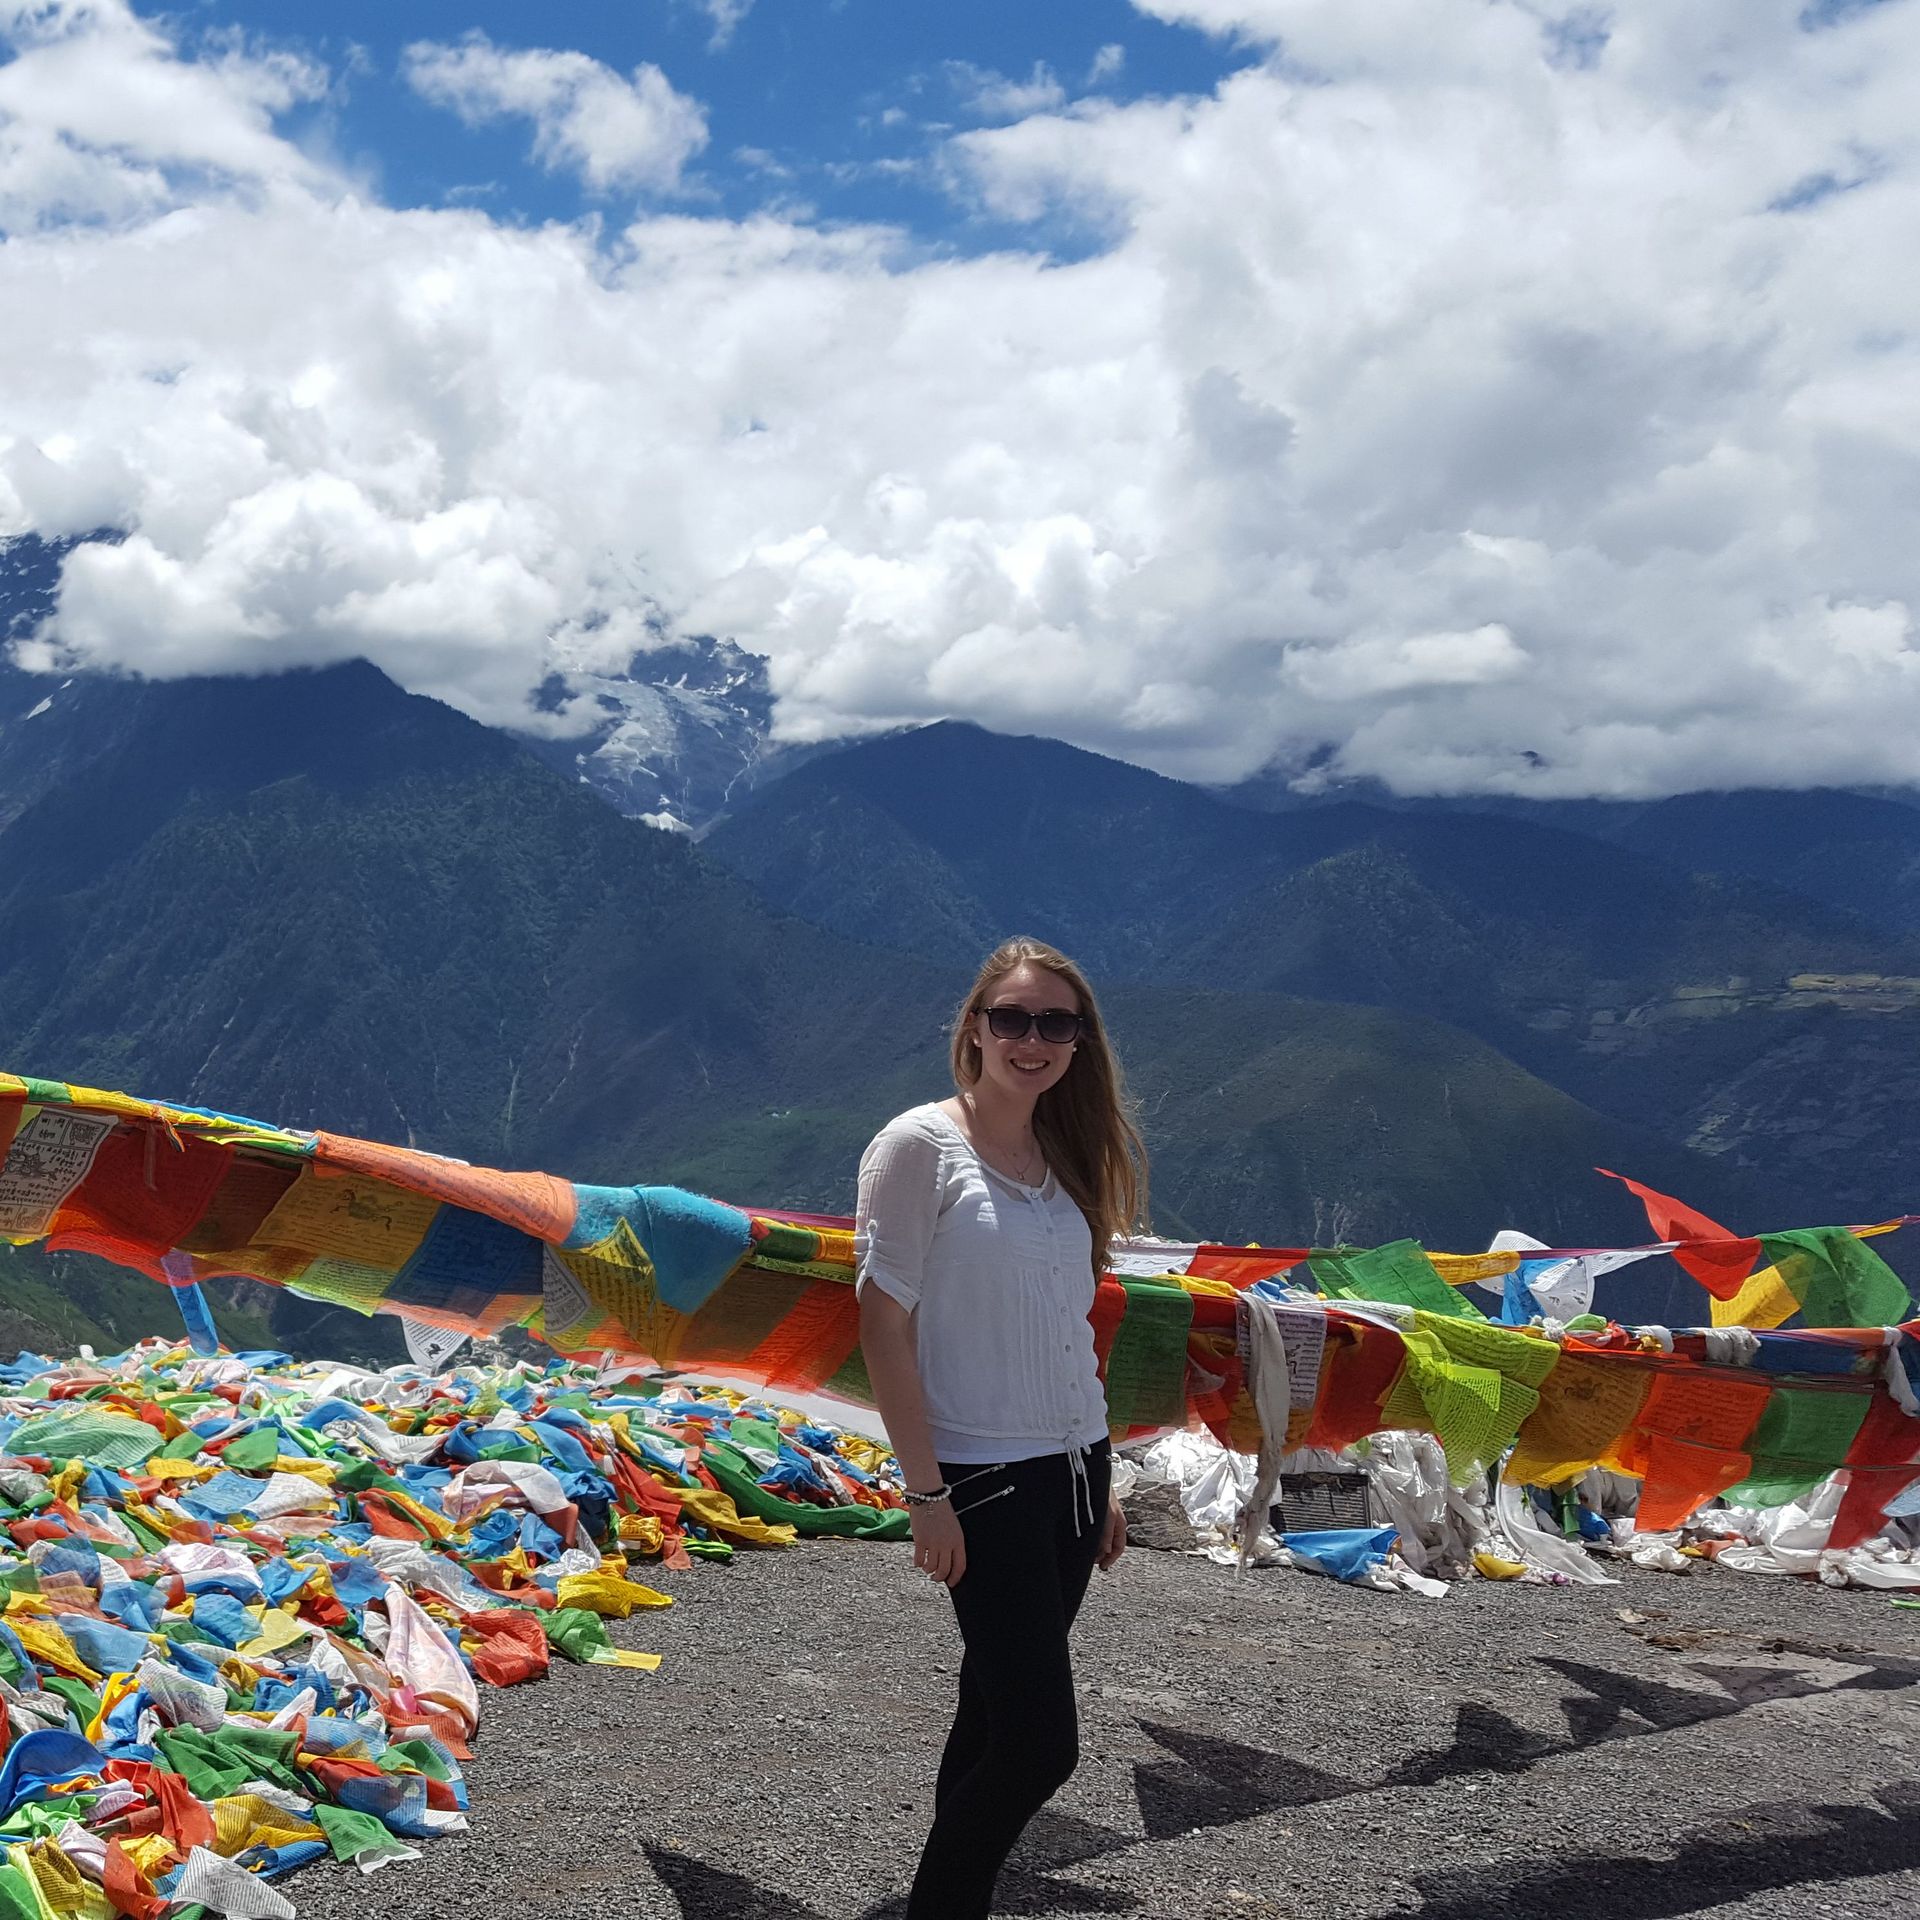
(607,1594)
(116,1689)
(59,1883)
(277,1629)
(641,1533)
(371,1222)
(46,1644)
(243,1820)
(322,1471)
(716,1510)
(1586,1404)
(623,1657)
(1461,1269)
(1763,1301)
(169,1469)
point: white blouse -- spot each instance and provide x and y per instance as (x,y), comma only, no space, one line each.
(999,1279)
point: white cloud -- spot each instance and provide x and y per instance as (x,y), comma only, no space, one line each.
(726,16)
(1108,63)
(636,132)
(100,117)
(1449,407)
(1368,665)
(993,96)
(760,160)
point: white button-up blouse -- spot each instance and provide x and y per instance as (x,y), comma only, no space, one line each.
(999,1278)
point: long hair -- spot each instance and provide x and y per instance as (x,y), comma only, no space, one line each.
(1084,1121)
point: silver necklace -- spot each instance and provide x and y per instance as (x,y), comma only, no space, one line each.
(1024,1165)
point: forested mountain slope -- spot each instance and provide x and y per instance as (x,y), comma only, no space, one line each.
(329,903)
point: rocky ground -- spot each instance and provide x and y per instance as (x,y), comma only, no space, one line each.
(1265,1745)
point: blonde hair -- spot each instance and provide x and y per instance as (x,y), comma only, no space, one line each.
(1084,1121)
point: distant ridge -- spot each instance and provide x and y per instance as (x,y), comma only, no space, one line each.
(1640,985)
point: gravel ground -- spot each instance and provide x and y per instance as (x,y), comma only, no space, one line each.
(1266,1745)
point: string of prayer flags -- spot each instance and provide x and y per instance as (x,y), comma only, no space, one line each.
(654,1276)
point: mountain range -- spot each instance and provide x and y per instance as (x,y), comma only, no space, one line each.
(1771,1034)
(316,898)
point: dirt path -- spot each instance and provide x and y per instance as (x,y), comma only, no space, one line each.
(1264,1746)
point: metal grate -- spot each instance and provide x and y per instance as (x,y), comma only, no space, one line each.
(1312,1502)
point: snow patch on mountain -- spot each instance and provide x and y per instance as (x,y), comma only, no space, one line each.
(680,737)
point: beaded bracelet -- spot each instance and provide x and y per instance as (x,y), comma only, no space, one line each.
(939,1493)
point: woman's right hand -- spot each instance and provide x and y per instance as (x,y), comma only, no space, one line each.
(939,1544)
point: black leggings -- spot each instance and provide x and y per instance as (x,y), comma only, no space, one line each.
(1016,1734)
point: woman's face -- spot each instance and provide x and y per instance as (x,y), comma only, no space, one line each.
(1026,1067)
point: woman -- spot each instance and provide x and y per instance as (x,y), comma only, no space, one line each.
(984,1221)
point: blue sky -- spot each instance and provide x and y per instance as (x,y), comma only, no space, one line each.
(1510,396)
(836,105)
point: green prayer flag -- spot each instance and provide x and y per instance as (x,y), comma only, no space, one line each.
(151,1539)
(739,1480)
(575,1632)
(1471,1383)
(1838,1279)
(754,1433)
(1399,1272)
(187,1634)
(351,1834)
(96,1435)
(76,1693)
(18,1901)
(253,1452)
(1802,1436)
(1146,1370)
(422,1756)
(851,1382)
(217,1764)
(269,1750)
(211,1771)
(358,1475)
(43,1819)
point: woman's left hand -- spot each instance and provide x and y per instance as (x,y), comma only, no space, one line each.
(1113,1539)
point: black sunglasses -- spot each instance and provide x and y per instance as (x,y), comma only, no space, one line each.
(1058,1027)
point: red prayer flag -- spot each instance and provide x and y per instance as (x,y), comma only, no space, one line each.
(1717,1257)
